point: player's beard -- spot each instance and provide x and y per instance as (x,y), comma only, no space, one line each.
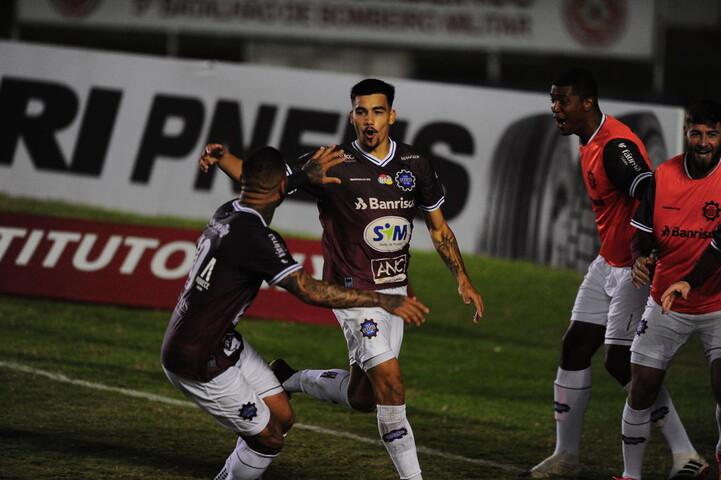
(693,153)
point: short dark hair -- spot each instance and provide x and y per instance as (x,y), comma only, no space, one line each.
(263,169)
(703,112)
(581,81)
(369,86)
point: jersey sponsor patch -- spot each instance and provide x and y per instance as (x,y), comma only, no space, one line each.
(388,234)
(385,179)
(369,328)
(248,411)
(405,180)
(280,250)
(374,203)
(389,270)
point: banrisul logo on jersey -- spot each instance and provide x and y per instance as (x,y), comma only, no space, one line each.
(388,234)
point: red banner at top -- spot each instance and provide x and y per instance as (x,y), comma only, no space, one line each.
(123,264)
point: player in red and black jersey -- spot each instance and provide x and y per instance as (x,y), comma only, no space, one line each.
(367,223)
(680,218)
(202,353)
(616,173)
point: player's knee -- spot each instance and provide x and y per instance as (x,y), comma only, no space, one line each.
(270,441)
(390,391)
(643,392)
(579,345)
(617,363)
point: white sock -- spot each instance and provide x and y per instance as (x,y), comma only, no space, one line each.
(244,463)
(665,417)
(328,385)
(397,437)
(718,425)
(571,394)
(635,430)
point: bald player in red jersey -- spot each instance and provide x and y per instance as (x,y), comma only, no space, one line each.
(680,217)
(616,172)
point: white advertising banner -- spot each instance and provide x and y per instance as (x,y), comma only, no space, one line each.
(124,132)
(621,28)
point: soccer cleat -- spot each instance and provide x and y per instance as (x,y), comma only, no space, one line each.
(282,371)
(561,464)
(688,465)
(623,478)
(718,464)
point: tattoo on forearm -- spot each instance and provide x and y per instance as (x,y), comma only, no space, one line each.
(447,247)
(318,292)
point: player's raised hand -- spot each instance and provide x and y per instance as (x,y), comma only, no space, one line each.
(212,153)
(675,290)
(320,162)
(642,271)
(470,295)
(410,309)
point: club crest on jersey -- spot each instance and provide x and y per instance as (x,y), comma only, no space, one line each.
(405,180)
(711,210)
(396,434)
(385,179)
(248,411)
(369,328)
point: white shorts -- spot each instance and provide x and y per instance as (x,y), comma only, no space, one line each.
(607,297)
(660,336)
(233,398)
(372,334)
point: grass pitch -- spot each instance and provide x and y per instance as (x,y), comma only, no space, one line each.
(479,396)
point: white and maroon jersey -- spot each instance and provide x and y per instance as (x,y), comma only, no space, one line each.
(368,219)
(614,164)
(683,214)
(236,252)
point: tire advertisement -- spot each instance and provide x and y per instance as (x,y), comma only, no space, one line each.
(124,132)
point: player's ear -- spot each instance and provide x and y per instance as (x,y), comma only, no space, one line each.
(283,186)
(350,117)
(392,117)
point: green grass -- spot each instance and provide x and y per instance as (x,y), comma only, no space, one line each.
(479,391)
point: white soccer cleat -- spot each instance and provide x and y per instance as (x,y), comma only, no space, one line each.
(687,466)
(561,464)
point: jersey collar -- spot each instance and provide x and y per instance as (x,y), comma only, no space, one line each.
(242,208)
(603,120)
(381,162)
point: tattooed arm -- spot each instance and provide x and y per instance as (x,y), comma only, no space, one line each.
(445,242)
(324,294)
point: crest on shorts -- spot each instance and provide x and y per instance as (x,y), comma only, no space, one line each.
(711,210)
(369,328)
(396,434)
(248,411)
(406,180)
(642,327)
